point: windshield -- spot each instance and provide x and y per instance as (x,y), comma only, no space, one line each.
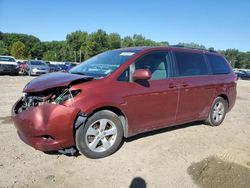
(7,59)
(103,64)
(37,63)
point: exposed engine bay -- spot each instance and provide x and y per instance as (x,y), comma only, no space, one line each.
(54,96)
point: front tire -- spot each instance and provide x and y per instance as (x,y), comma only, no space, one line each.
(101,136)
(217,112)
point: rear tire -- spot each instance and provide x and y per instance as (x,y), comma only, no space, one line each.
(101,136)
(217,112)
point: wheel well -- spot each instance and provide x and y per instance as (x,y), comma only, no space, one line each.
(225,98)
(119,113)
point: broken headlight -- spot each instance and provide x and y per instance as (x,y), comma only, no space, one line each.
(67,95)
(54,96)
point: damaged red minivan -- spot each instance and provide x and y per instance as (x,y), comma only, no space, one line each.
(122,93)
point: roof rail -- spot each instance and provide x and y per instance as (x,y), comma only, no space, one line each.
(177,46)
(182,46)
(212,50)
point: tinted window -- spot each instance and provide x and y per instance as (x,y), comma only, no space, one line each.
(157,63)
(191,64)
(218,64)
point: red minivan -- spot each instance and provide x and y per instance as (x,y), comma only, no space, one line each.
(122,93)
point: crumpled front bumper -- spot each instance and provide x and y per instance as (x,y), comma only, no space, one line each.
(47,127)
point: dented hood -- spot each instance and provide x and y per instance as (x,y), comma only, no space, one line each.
(53,80)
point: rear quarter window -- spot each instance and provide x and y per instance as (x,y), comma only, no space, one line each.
(218,64)
(191,64)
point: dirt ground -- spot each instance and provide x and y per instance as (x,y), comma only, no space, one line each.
(192,155)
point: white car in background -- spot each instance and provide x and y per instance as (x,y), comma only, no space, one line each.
(8,65)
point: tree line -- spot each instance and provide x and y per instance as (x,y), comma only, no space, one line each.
(81,45)
(77,46)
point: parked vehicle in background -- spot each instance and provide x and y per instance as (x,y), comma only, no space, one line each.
(22,66)
(63,67)
(36,67)
(69,66)
(54,68)
(242,74)
(8,65)
(122,93)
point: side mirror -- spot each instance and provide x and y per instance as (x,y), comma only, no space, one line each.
(141,74)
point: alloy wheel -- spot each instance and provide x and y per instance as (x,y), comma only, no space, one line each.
(101,135)
(218,111)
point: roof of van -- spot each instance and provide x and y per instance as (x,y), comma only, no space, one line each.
(142,48)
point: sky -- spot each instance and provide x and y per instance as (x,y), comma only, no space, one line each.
(221,24)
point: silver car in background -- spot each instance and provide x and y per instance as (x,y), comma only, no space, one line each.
(36,67)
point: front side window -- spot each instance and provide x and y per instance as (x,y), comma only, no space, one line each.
(157,62)
(103,64)
(191,64)
(218,64)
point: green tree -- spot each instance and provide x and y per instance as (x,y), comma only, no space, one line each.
(37,50)
(76,40)
(243,60)
(3,49)
(139,40)
(10,38)
(66,54)
(97,42)
(18,50)
(232,56)
(76,44)
(127,42)
(114,40)
(53,47)
(247,64)
(50,56)
(149,42)
(163,43)
(192,45)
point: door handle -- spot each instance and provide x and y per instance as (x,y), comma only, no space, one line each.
(184,84)
(171,85)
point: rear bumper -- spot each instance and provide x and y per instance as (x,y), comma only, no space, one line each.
(47,127)
(232,94)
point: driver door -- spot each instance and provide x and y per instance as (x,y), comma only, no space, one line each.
(151,104)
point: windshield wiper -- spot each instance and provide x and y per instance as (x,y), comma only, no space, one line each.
(81,73)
